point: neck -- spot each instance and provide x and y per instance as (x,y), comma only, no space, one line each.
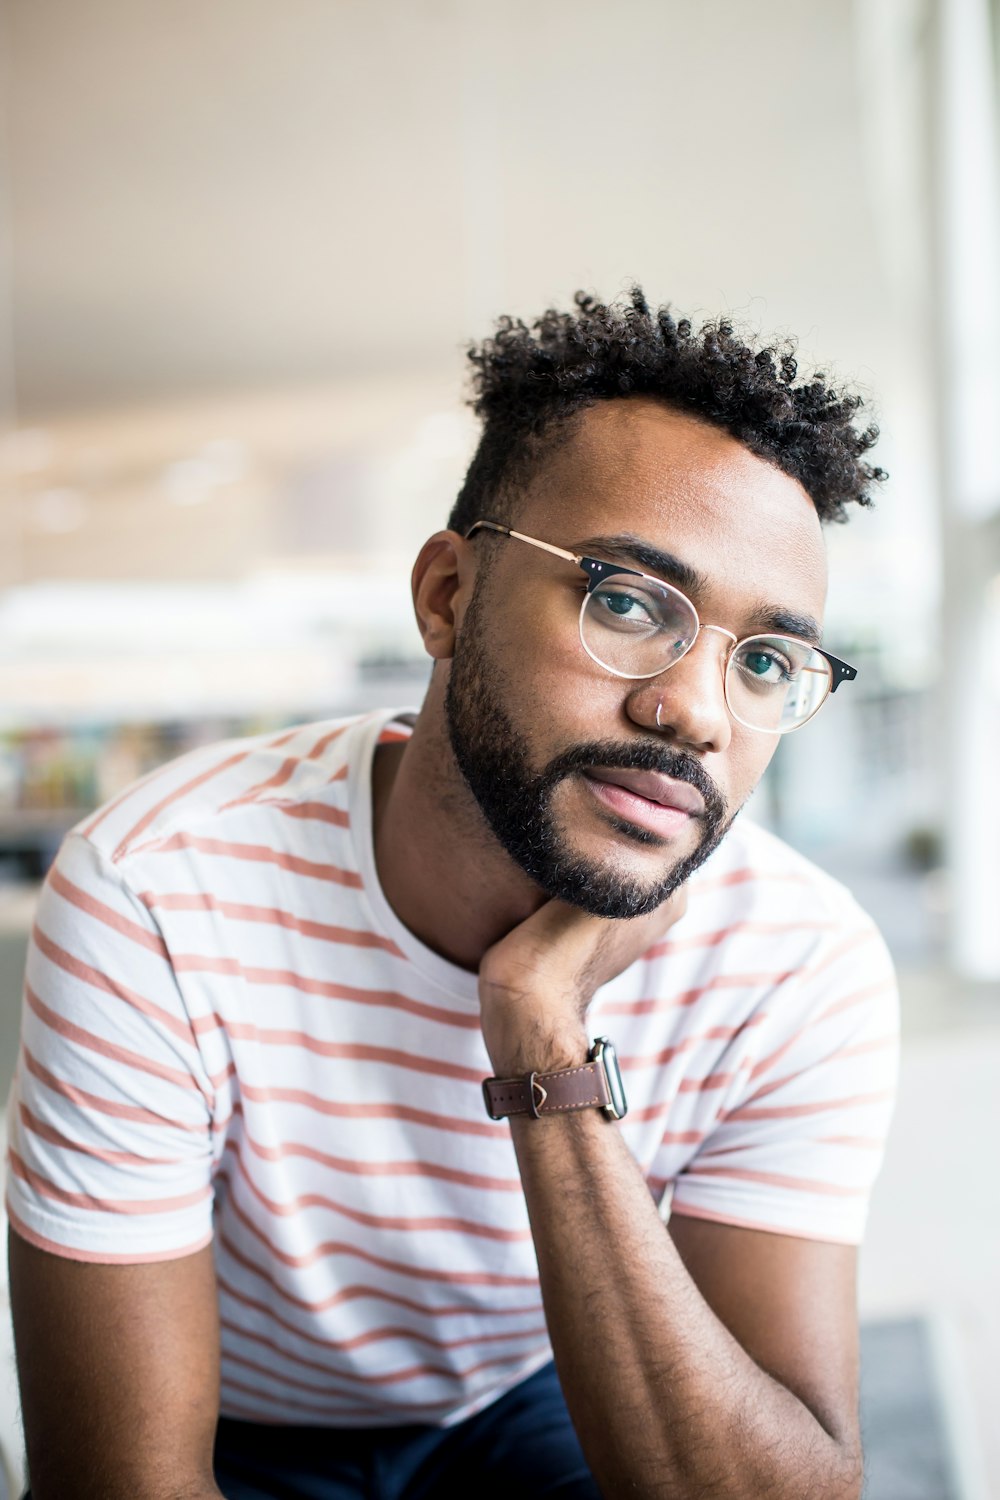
(442,871)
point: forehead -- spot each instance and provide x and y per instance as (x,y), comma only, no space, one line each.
(639,467)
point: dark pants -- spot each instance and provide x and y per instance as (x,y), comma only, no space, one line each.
(522,1446)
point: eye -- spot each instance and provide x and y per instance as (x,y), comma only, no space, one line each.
(765,664)
(629,605)
(621,604)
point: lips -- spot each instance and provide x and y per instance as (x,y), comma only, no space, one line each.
(653,786)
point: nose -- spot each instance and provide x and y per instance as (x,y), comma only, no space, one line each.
(691,696)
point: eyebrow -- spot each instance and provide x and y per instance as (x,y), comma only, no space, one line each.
(690,580)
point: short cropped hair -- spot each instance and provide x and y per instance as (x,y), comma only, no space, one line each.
(530,381)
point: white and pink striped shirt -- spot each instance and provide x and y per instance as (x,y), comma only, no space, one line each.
(229,1037)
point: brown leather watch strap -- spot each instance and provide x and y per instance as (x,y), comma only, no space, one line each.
(539,1094)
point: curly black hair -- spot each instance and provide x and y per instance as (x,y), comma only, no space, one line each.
(529,382)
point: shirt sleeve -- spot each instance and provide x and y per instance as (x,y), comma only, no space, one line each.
(799,1144)
(110,1114)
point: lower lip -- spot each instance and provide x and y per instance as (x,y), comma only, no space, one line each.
(653,816)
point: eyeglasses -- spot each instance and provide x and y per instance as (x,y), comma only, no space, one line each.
(638,626)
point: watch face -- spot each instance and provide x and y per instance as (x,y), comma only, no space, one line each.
(604,1048)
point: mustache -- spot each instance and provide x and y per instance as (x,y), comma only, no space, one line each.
(643,756)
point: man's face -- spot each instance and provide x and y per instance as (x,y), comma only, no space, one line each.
(538,728)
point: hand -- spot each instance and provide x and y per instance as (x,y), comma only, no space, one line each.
(535,984)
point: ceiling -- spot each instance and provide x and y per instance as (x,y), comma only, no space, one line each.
(245,244)
(241,193)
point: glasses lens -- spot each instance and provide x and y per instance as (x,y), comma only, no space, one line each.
(636,626)
(775,683)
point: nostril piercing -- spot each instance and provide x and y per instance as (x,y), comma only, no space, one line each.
(658,707)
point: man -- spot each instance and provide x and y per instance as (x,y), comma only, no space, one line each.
(269,1234)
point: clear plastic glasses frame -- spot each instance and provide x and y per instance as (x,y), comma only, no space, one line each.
(826,672)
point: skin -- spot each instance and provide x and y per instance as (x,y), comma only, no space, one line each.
(118,1368)
(699,1360)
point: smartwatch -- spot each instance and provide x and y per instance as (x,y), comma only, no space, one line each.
(595,1084)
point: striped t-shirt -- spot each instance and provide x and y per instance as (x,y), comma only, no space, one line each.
(229,1037)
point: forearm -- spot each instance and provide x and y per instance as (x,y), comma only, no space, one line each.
(664,1399)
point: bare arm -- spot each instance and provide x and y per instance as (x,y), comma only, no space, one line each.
(708,1362)
(119,1375)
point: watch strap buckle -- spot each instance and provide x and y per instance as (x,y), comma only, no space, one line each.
(533,1086)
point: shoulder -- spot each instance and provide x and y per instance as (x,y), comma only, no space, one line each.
(753,873)
(209,791)
(759,910)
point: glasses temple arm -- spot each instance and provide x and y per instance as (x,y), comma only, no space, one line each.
(531,540)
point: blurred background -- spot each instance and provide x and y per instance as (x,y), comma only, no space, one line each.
(242,246)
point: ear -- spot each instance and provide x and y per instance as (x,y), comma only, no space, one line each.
(441,583)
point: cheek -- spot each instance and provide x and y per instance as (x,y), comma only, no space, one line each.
(749,758)
(537,646)
(541,614)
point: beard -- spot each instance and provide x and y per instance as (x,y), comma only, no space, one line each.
(516,802)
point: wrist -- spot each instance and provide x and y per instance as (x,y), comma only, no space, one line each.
(527,1049)
(593,1083)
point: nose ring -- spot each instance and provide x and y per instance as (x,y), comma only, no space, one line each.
(658,707)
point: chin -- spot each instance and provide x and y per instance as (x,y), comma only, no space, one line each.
(626,872)
(612,887)
(602,894)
